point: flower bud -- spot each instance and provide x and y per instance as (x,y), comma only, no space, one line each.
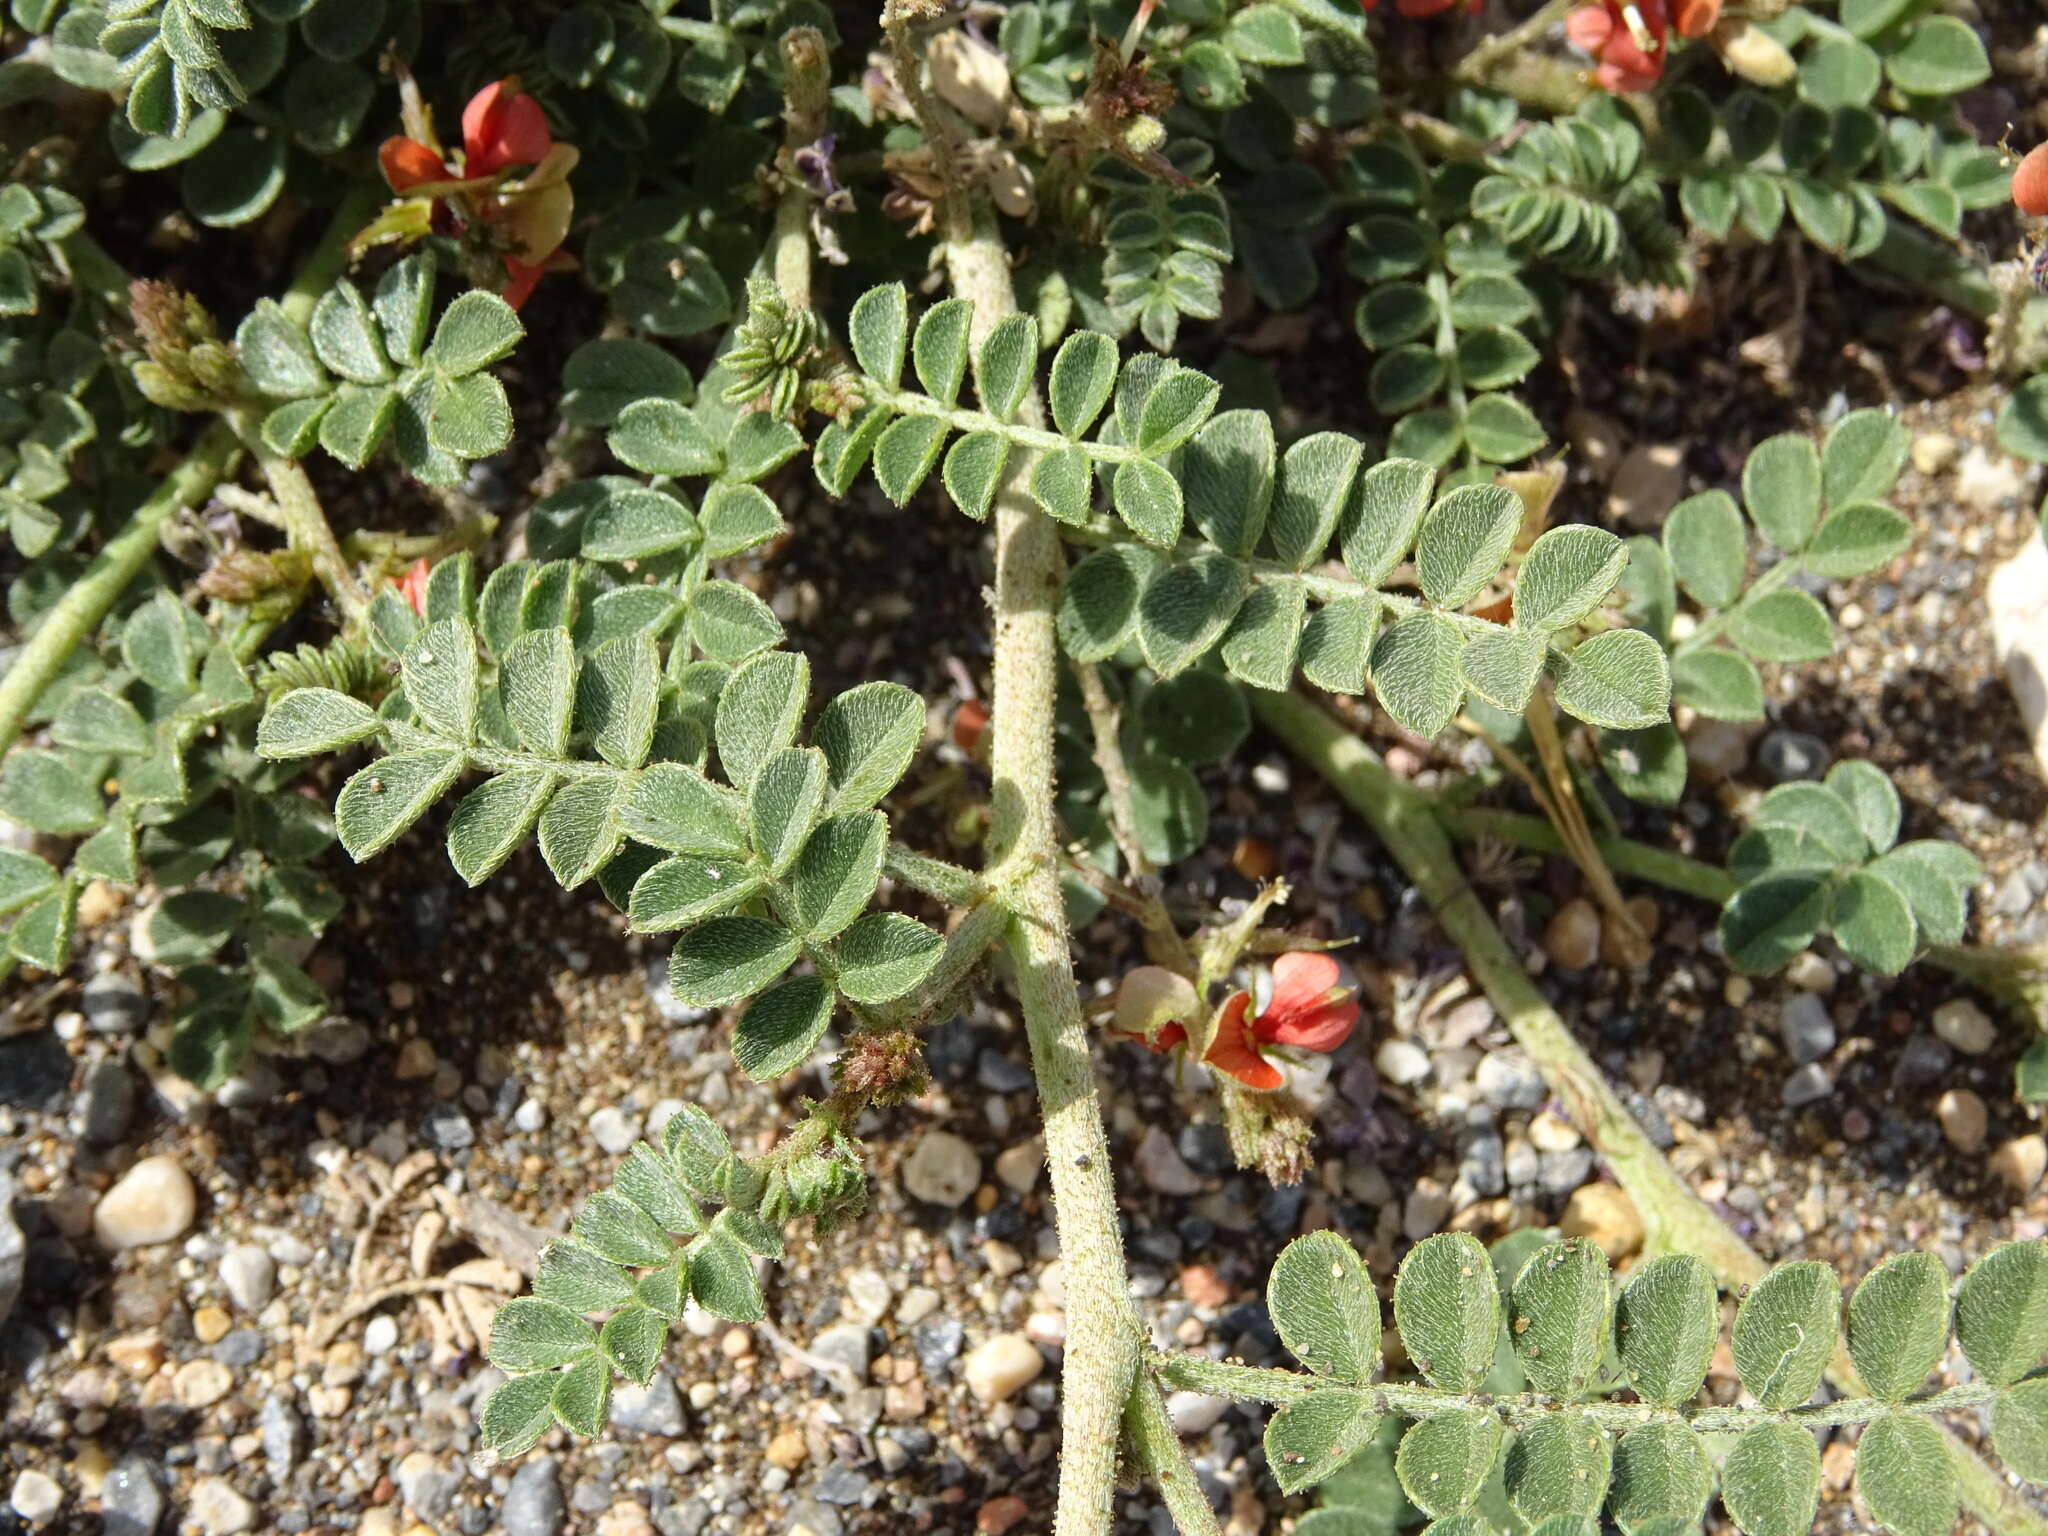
(1144,135)
(1753,53)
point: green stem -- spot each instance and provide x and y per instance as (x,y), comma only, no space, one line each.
(120,560)
(329,259)
(1624,856)
(1479,64)
(806,89)
(1156,1445)
(1762,587)
(304,521)
(949,883)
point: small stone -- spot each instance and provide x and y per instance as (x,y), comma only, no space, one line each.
(113,1005)
(1195,1413)
(13,1248)
(152,1203)
(937,1341)
(35,1071)
(918,1303)
(868,1295)
(1001,1367)
(787,1449)
(1509,1080)
(1002,1260)
(1647,484)
(1934,452)
(2020,1162)
(448,1128)
(415,1060)
(1572,938)
(2017,596)
(942,1169)
(1808,1085)
(1963,1119)
(132,1498)
(1965,1026)
(201,1383)
(1719,749)
(1606,1214)
(1785,756)
(1401,1062)
(339,1041)
(1551,1132)
(1986,481)
(650,1410)
(380,1335)
(999,1514)
(106,1103)
(530,1116)
(1808,972)
(36,1496)
(1160,1166)
(615,1130)
(283,1435)
(428,1484)
(1018,1167)
(219,1510)
(1806,1027)
(533,1503)
(256,1084)
(1482,1160)
(1423,1212)
(250,1275)
(211,1324)
(140,1355)
(846,1346)
(1204,1287)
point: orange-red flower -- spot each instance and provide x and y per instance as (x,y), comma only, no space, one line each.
(506,190)
(412,586)
(1628,41)
(1308,1011)
(2030,183)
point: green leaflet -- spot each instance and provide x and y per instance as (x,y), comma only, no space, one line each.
(1323,1305)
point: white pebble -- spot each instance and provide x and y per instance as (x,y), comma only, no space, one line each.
(153,1203)
(942,1169)
(381,1336)
(1001,1367)
(1965,1026)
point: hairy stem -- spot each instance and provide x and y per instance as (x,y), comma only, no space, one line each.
(806,96)
(303,520)
(121,559)
(1102,1328)
(1157,1447)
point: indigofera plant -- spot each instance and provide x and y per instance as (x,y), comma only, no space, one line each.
(1569,1446)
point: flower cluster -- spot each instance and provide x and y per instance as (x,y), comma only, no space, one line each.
(1628,41)
(1308,1011)
(480,193)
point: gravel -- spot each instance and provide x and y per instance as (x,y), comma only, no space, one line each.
(654,1409)
(113,1005)
(533,1503)
(249,1275)
(1783,756)
(35,1071)
(1510,1081)
(132,1498)
(1806,1027)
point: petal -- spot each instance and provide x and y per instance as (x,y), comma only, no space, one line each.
(412,586)
(2030,183)
(522,279)
(502,126)
(1588,29)
(1232,1053)
(1301,979)
(1696,18)
(1318,1029)
(408,163)
(538,221)
(1169,1038)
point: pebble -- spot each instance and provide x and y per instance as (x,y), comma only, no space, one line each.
(1785,756)
(1808,972)
(1923,1061)
(1965,1026)
(1160,1166)
(35,1071)
(211,1324)
(106,1103)
(1605,1214)
(1806,1027)
(1934,452)
(427,1484)
(415,1060)
(615,1130)
(283,1435)
(1401,1062)
(36,1496)
(650,1410)
(448,1128)
(1986,481)
(530,1116)
(1424,1210)
(152,1203)
(868,1294)
(1647,484)
(1572,938)
(533,1503)
(1551,1132)
(942,1169)
(132,1498)
(1018,1167)
(257,1083)
(1807,1085)
(219,1510)
(1963,1118)
(13,1248)
(845,1345)
(2020,1162)
(380,1336)
(1001,1367)
(114,1005)
(1195,1413)
(918,1303)
(1482,1160)
(1509,1080)
(201,1383)
(339,1041)
(999,1514)
(250,1275)
(937,1341)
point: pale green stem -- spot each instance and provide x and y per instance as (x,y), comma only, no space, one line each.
(1476,66)
(806,86)
(303,520)
(1161,1457)
(121,559)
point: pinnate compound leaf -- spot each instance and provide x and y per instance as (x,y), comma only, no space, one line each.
(1905,1476)
(1559,1465)
(2019,1429)
(1381,515)
(529,1334)
(1566,574)
(1227,474)
(2002,1311)
(885,954)
(905,454)
(1786,625)
(1935,898)
(1781,487)
(309,721)
(974,470)
(494,819)
(1002,368)
(632,1341)
(1415,671)
(1862,457)
(583,1395)
(1661,1472)
(1323,1305)
(1557,1311)
(1098,610)
(869,735)
(1148,499)
(1618,679)
(1785,1333)
(758,711)
(440,673)
(1063,483)
(686,889)
(782,1027)
(1666,1323)
(784,803)
(382,800)
(1310,1438)
(939,349)
(1898,1324)
(476,329)
(1309,497)
(1463,541)
(1186,608)
(571,1276)
(1501,666)
(1444,1460)
(1447,1306)
(677,808)
(728,958)
(879,329)
(722,1278)
(1858,538)
(1771,1480)
(1708,548)
(613,1227)
(538,682)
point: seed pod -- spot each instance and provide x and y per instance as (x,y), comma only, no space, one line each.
(1009,185)
(1753,53)
(2030,183)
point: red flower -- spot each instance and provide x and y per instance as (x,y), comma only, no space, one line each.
(412,586)
(1416,10)
(1628,41)
(1308,1011)
(520,220)
(2030,183)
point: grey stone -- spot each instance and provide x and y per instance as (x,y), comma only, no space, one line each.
(685,1519)
(1806,1027)
(1810,1083)
(1205,1147)
(615,1130)
(840,1484)
(132,1498)
(937,1341)
(1482,1161)
(1160,1166)
(998,1074)
(35,1071)
(113,1005)
(1782,756)
(428,1484)
(283,1434)
(250,1275)
(241,1348)
(13,1248)
(845,1346)
(533,1503)
(1509,1080)
(256,1084)
(810,1518)
(650,1410)
(338,1041)
(448,1128)
(1559,1173)
(106,1103)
